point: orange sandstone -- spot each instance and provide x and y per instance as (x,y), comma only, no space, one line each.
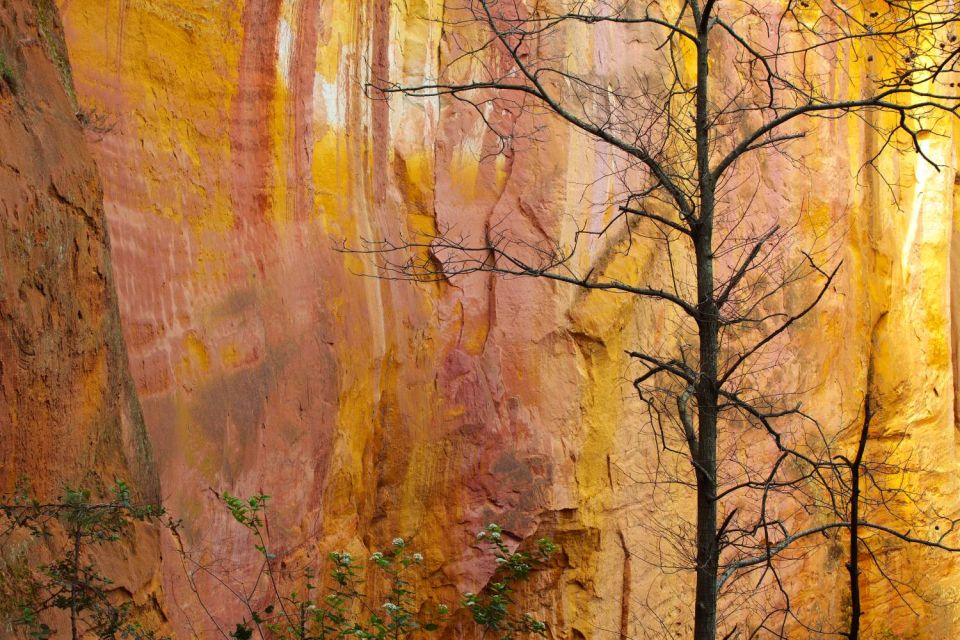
(69,413)
(244,150)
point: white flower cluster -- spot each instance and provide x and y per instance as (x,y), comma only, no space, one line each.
(493,531)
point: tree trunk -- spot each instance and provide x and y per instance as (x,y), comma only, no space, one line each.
(853,562)
(853,565)
(705,618)
(75,583)
(705,459)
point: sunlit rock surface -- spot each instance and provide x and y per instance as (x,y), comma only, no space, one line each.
(69,414)
(238,151)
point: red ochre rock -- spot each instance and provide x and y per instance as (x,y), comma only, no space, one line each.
(69,414)
(238,149)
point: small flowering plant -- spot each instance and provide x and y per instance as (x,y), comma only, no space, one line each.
(336,608)
(402,617)
(493,609)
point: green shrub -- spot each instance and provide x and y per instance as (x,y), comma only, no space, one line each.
(336,605)
(7,73)
(70,581)
(339,608)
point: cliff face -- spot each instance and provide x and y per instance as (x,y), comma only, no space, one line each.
(238,150)
(68,408)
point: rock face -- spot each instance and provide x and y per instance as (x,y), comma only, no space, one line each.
(238,151)
(69,413)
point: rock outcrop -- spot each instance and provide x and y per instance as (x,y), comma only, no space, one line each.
(238,151)
(69,414)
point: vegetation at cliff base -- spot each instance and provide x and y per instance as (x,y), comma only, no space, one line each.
(381,597)
(47,570)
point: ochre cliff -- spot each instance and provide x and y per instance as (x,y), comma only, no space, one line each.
(69,414)
(238,150)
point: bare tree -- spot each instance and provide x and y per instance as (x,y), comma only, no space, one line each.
(705,91)
(861,498)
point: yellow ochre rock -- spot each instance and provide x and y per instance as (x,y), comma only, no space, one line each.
(239,149)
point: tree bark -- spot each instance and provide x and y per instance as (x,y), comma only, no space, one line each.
(705,459)
(853,563)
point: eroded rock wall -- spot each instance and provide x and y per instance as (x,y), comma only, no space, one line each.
(238,151)
(69,414)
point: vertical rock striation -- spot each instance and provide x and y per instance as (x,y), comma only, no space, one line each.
(240,150)
(69,413)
